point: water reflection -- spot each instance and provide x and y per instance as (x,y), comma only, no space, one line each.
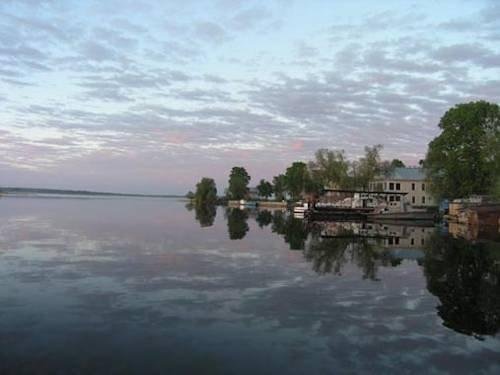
(237,226)
(466,279)
(141,285)
(464,276)
(205,213)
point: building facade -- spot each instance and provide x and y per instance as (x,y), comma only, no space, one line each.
(411,181)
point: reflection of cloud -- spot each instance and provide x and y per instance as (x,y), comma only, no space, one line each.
(93,280)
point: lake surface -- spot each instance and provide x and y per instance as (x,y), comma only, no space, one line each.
(134,285)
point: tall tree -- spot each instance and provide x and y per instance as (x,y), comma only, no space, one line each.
(206,192)
(465,158)
(330,168)
(296,178)
(279,187)
(367,168)
(238,183)
(265,188)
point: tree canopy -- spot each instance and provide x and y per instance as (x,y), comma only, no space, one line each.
(465,158)
(265,188)
(238,183)
(396,163)
(296,178)
(206,192)
(279,187)
(330,168)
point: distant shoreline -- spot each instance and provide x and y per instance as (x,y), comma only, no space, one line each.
(20,190)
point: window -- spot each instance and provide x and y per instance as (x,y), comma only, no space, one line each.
(423,200)
(390,240)
(413,241)
(398,198)
(391,186)
(398,186)
(396,240)
(422,241)
(391,198)
(413,186)
(413,200)
(385,185)
(423,187)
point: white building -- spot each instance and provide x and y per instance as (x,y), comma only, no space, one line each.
(412,181)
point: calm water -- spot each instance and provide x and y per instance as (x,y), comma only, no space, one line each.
(122,285)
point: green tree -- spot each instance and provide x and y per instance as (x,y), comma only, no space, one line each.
(238,183)
(396,163)
(190,195)
(330,168)
(296,178)
(265,188)
(206,192)
(279,187)
(367,168)
(465,158)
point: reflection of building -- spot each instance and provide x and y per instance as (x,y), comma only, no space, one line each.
(405,180)
(398,236)
(389,236)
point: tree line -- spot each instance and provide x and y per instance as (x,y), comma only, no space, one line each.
(463,159)
(329,168)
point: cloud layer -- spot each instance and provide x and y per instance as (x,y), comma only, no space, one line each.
(149,98)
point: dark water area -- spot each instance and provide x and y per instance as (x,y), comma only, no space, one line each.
(137,285)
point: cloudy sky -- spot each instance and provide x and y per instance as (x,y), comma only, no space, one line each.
(149,96)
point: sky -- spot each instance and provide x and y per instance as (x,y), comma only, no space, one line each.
(150,96)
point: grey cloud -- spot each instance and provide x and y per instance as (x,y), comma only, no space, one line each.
(97,52)
(460,53)
(210,32)
(214,79)
(114,38)
(249,18)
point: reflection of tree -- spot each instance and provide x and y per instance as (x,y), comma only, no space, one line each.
(330,255)
(264,218)
(293,230)
(466,279)
(205,214)
(237,223)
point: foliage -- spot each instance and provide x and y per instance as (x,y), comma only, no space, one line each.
(366,168)
(396,163)
(296,178)
(496,189)
(265,188)
(465,158)
(206,192)
(279,187)
(330,168)
(190,195)
(238,183)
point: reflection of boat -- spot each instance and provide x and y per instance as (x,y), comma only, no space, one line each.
(410,215)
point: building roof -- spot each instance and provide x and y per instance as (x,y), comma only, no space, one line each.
(407,173)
